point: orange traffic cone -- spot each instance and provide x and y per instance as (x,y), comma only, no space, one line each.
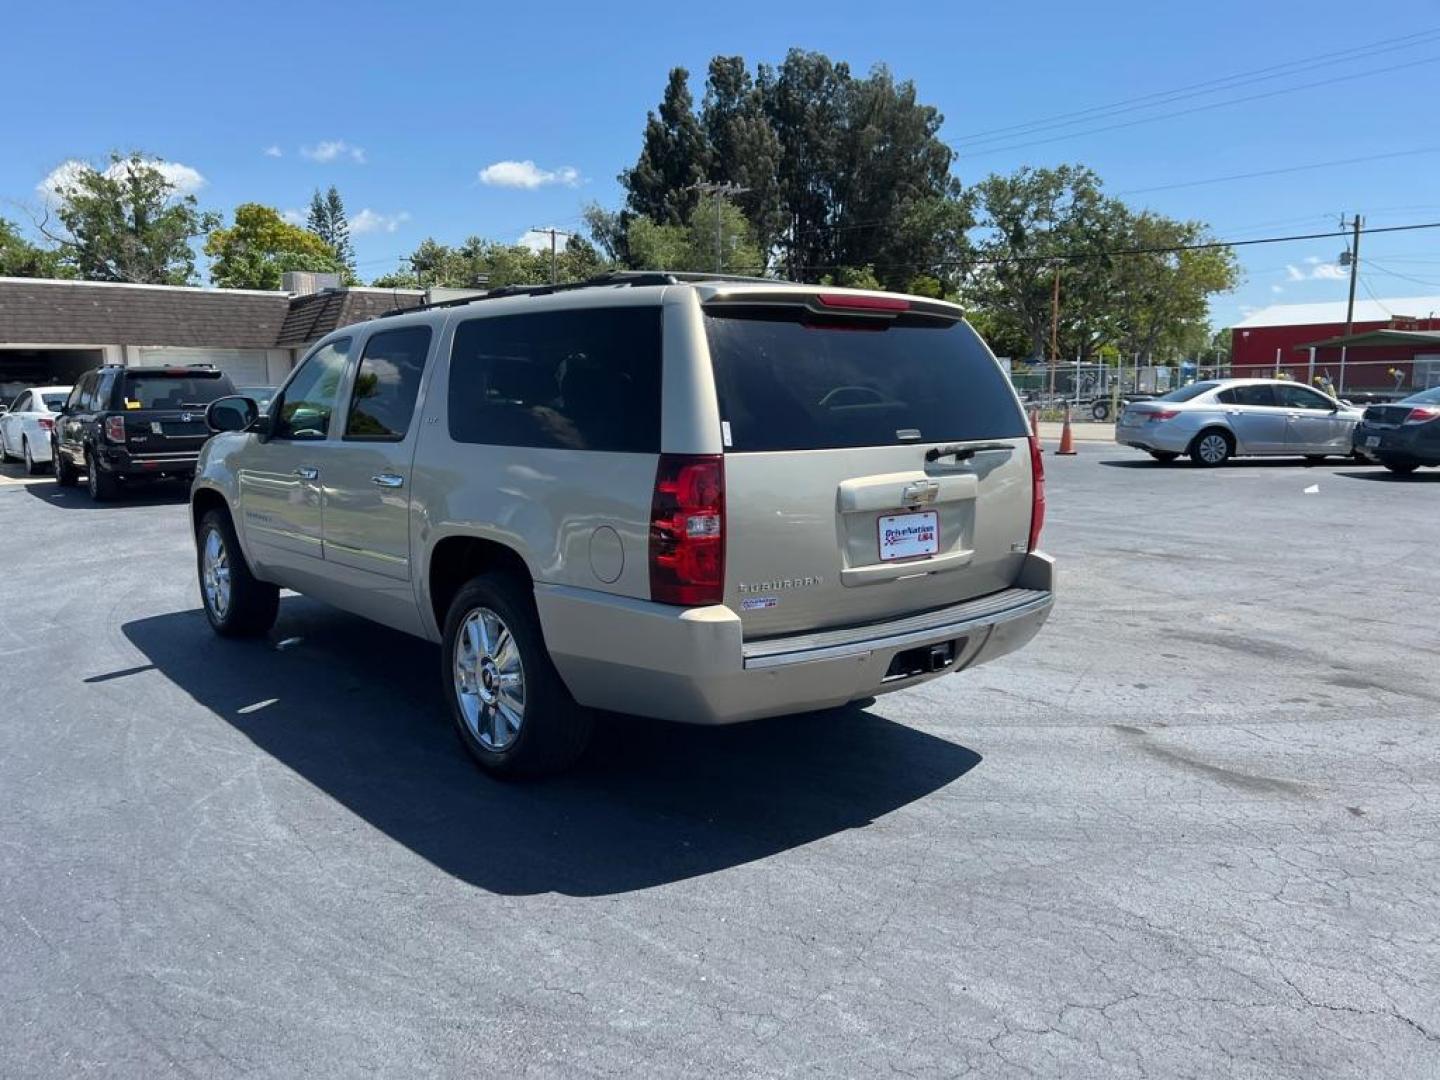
(1067,440)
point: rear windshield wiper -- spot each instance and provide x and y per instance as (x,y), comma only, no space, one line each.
(963,453)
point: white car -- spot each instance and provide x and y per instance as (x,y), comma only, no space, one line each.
(25,429)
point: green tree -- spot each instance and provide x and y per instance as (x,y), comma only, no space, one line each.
(255,252)
(328,221)
(743,148)
(674,158)
(127,222)
(692,245)
(480,262)
(20,258)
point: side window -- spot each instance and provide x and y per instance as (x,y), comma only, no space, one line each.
(87,391)
(105,391)
(1255,394)
(309,398)
(21,403)
(386,384)
(575,380)
(1300,397)
(72,403)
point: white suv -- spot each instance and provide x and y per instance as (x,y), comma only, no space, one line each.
(694,498)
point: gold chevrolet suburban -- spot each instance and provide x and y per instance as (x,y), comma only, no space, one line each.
(684,496)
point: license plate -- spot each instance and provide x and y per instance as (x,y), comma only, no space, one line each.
(904,536)
(1372,440)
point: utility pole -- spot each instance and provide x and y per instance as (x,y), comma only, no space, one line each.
(1354,254)
(719,191)
(1054,329)
(554,266)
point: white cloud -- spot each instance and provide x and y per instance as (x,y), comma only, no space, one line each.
(539,240)
(334,150)
(273,151)
(182,178)
(526,174)
(1312,259)
(1319,271)
(1277,289)
(368,220)
(294,217)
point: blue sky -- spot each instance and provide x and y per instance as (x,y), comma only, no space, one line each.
(404,106)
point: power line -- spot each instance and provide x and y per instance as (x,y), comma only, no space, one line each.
(1280,172)
(1196,89)
(1390,69)
(1077,256)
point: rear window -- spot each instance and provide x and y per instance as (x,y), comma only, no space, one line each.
(160,391)
(1425,397)
(570,380)
(789,382)
(1188,393)
(53,402)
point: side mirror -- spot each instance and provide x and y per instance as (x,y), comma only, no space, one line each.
(231,414)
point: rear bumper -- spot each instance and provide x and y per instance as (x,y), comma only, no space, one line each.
(1405,445)
(122,462)
(691,665)
(1164,436)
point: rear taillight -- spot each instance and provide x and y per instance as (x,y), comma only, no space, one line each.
(1037,493)
(849,302)
(687,530)
(115,429)
(46,424)
(1422,414)
(1163,414)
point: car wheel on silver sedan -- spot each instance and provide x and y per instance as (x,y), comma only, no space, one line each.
(1211,448)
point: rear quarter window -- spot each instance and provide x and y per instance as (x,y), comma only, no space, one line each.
(572,380)
(787,381)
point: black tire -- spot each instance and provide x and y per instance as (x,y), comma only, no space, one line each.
(1204,449)
(1401,468)
(102,486)
(1166,456)
(32,467)
(1100,410)
(65,474)
(252,604)
(553,730)
(5,458)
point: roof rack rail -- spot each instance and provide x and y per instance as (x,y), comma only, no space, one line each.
(631,278)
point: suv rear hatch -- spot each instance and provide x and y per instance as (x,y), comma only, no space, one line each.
(164,408)
(877,461)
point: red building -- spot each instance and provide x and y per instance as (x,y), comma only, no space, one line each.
(1394,347)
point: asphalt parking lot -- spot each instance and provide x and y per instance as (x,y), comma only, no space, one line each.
(1193,830)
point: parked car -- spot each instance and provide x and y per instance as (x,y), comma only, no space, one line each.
(695,499)
(1402,436)
(261,395)
(1215,420)
(25,428)
(124,425)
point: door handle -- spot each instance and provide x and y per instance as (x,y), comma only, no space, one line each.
(388,480)
(308,472)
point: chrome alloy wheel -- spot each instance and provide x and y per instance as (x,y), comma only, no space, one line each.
(489,680)
(215,574)
(1213,449)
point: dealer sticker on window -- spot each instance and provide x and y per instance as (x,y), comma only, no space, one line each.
(903,536)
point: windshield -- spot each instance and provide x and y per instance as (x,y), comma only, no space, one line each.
(173,391)
(787,381)
(1187,393)
(1425,397)
(53,402)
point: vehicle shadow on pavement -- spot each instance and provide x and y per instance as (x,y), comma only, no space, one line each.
(153,493)
(1386,476)
(357,711)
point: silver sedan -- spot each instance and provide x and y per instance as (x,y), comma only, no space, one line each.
(1216,420)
